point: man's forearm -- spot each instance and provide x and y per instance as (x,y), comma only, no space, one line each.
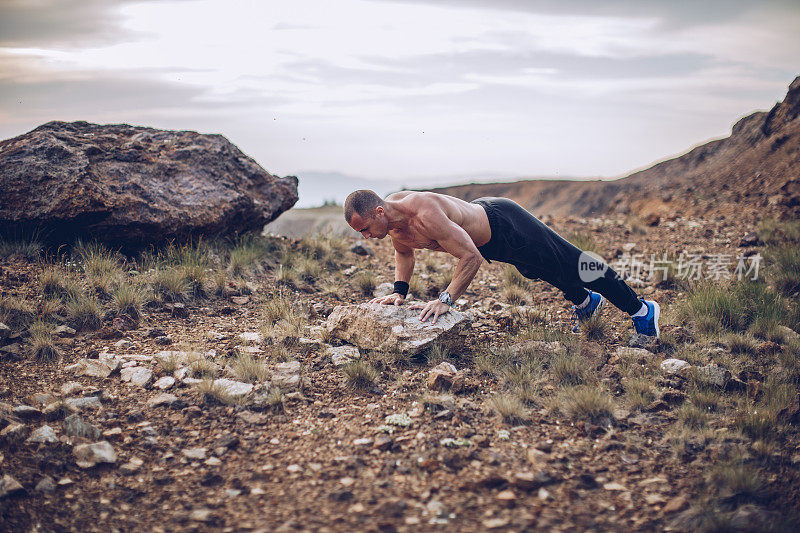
(403,266)
(465,272)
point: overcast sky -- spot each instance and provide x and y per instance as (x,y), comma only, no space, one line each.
(402,90)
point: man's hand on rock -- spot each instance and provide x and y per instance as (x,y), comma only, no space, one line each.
(434,308)
(391,299)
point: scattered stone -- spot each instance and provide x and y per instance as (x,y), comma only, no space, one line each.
(71,388)
(384,289)
(89,455)
(361,248)
(614,486)
(675,504)
(75,426)
(177,310)
(122,344)
(449,442)
(42,435)
(341,355)
(97,368)
(364,441)
(194,453)
(674,366)
(10,487)
(46,485)
(113,433)
(201,515)
(43,398)
(138,376)
(495,523)
(286,375)
(634,353)
(643,341)
(163,340)
(250,336)
(391,327)
(64,331)
(56,411)
(131,467)
(164,383)
(5,332)
(750,239)
(673,397)
(26,412)
(714,374)
(162,399)
(398,419)
(445,377)
(789,333)
(383,443)
(81,404)
(235,389)
(14,433)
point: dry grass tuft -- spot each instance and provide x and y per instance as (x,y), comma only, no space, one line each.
(510,408)
(588,402)
(359,375)
(250,369)
(365,283)
(42,346)
(84,312)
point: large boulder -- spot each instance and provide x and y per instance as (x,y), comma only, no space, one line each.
(393,328)
(134,185)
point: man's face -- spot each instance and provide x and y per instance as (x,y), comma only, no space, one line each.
(376,227)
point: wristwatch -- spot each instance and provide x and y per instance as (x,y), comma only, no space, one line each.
(446,299)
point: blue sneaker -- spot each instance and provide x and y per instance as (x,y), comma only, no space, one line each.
(580,315)
(648,324)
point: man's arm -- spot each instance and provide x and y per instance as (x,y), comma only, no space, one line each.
(435,224)
(403,270)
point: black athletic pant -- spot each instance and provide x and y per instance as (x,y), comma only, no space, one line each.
(538,252)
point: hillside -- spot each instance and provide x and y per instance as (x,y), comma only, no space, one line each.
(754,168)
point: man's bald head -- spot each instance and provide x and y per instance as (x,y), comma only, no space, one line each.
(362,202)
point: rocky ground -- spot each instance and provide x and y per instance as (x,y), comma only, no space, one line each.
(123,429)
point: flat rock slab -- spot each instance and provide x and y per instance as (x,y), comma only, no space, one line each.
(391,327)
(138,376)
(236,389)
(341,355)
(97,368)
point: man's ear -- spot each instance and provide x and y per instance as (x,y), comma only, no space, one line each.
(379,210)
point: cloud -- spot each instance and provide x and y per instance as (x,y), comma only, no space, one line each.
(61,23)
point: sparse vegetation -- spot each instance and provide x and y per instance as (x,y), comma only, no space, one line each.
(42,346)
(128,298)
(84,312)
(214,392)
(510,408)
(585,402)
(360,375)
(248,368)
(365,283)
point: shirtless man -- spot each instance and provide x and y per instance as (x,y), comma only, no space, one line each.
(495,229)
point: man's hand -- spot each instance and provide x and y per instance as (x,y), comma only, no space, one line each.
(433,308)
(391,299)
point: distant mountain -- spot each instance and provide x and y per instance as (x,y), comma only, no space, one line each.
(755,169)
(316,188)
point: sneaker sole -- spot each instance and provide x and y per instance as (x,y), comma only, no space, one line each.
(656,313)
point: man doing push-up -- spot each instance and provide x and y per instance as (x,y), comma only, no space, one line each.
(495,229)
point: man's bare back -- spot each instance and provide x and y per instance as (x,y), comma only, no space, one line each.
(471,217)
